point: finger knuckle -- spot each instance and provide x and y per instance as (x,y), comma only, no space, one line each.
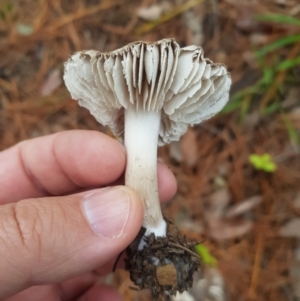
(24,225)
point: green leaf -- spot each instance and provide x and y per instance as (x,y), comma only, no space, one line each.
(275,106)
(277,18)
(207,258)
(278,44)
(255,161)
(237,99)
(269,167)
(268,76)
(266,157)
(263,162)
(288,64)
(245,107)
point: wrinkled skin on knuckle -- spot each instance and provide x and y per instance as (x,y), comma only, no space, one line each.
(21,228)
(42,238)
(27,230)
(17,247)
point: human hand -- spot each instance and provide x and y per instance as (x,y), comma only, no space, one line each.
(56,227)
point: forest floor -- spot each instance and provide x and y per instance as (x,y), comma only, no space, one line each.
(238,174)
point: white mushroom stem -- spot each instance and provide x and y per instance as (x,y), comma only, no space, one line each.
(141,136)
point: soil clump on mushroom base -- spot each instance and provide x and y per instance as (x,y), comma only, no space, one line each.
(165,265)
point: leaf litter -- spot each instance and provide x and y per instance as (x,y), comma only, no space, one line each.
(243,227)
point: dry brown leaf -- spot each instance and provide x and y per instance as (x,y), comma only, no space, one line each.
(174,149)
(294,115)
(245,18)
(259,39)
(52,82)
(291,228)
(294,272)
(153,12)
(188,224)
(220,229)
(244,206)
(188,148)
(291,98)
(218,201)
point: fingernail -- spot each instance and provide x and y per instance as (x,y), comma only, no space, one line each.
(107,211)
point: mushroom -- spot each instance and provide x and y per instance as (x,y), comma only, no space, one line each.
(151,93)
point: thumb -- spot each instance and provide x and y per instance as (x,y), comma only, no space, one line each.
(51,239)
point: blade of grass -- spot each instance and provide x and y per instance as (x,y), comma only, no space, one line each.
(232,105)
(293,134)
(279,79)
(238,97)
(288,64)
(278,44)
(245,106)
(272,108)
(278,18)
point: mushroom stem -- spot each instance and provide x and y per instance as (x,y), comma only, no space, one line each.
(141,136)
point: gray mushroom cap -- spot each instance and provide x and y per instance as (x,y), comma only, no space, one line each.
(180,82)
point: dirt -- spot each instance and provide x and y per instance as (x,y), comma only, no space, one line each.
(165,265)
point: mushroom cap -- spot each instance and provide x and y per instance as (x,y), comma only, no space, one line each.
(180,82)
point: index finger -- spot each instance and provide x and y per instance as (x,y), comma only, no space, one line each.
(59,164)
